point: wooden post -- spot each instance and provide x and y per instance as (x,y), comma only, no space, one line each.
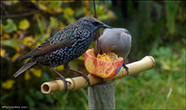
(101,96)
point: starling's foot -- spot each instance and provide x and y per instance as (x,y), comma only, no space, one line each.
(66,66)
(66,81)
(85,76)
(63,78)
(81,74)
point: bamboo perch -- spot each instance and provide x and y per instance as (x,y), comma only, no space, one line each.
(146,63)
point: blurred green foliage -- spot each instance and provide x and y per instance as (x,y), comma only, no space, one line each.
(157,29)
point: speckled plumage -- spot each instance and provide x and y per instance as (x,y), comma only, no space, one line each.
(66,45)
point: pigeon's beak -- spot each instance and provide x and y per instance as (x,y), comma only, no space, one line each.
(106,26)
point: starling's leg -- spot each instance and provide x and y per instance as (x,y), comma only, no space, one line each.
(66,66)
(63,78)
(77,75)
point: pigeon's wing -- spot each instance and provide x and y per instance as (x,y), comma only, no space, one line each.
(60,40)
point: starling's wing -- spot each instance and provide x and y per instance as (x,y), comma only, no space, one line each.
(49,45)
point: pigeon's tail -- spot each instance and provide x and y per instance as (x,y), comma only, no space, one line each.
(27,66)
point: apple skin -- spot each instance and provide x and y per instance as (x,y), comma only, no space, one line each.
(101,68)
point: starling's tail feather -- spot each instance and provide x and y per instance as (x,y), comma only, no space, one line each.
(21,58)
(27,66)
(24,57)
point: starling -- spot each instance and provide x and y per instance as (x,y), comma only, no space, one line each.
(117,40)
(66,45)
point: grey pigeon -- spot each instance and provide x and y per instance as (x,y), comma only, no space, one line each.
(117,40)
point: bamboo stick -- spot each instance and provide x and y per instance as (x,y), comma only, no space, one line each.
(146,63)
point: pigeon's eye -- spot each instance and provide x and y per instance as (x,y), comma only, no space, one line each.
(96,23)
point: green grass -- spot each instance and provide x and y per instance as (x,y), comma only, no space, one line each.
(150,89)
(162,87)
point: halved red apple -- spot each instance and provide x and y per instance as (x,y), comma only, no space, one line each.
(101,68)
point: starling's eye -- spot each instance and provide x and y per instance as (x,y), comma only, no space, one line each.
(96,23)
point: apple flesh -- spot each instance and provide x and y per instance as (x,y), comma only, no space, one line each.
(101,68)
